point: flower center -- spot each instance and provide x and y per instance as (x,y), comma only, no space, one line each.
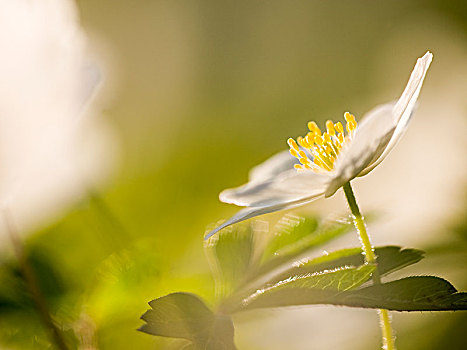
(318,151)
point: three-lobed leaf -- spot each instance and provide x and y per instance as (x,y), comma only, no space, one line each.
(184,315)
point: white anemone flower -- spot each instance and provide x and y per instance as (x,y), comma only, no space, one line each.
(52,146)
(321,162)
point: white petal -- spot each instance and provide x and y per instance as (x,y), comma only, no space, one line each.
(370,139)
(251,212)
(379,131)
(92,78)
(289,186)
(404,108)
(273,166)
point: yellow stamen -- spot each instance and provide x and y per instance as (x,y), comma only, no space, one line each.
(293,152)
(341,138)
(292,144)
(351,127)
(339,127)
(330,128)
(322,149)
(314,128)
(330,151)
(319,141)
(324,162)
(302,142)
(349,117)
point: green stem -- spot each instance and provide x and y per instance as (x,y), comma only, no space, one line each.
(386,329)
(370,258)
(32,285)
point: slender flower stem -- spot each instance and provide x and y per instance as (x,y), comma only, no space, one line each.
(32,285)
(370,258)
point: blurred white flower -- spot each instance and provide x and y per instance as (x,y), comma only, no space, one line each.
(327,160)
(49,154)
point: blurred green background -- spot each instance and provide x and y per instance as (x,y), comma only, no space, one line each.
(197,93)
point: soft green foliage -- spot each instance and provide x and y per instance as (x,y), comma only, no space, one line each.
(416,293)
(183,315)
(291,234)
(254,269)
(295,235)
(341,279)
(271,253)
(240,256)
(231,256)
(13,291)
(17,308)
(424,293)
(389,259)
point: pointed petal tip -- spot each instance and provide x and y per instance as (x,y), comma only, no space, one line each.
(423,63)
(428,54)
(224,196)
(427,58)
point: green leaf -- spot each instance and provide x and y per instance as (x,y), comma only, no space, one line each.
(418,293)
(290,231)
(230,254)
(393,258)
(334,280)
(184,315)
(234,260)
(389,259)
(295,236)
(14,293)
(424,293)
(340,280)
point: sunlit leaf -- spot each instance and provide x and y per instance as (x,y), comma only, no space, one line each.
(416,293)
(393,258)
(184,315)
(334,280)
(294,236)
(423,293)
(289,232)
(230,255)
(340,280)
(389,259)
